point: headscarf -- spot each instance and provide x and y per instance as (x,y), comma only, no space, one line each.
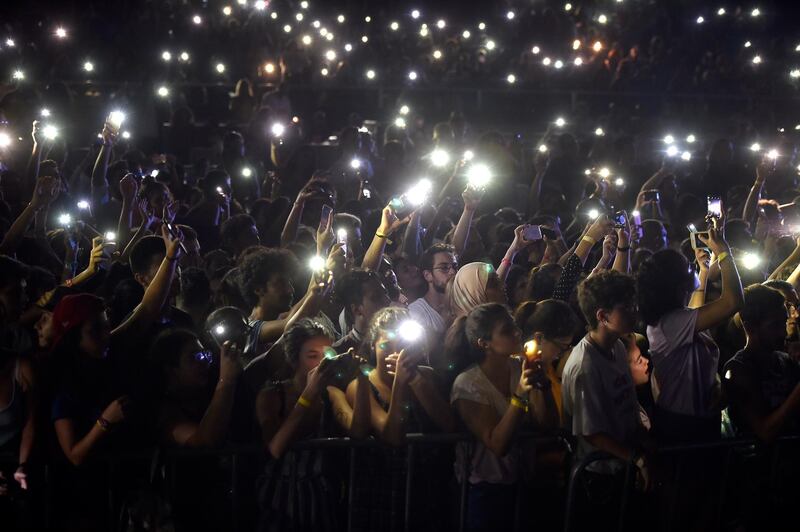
(73,311)
(468,289)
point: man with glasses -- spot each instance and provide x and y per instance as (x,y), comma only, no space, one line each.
(439,265)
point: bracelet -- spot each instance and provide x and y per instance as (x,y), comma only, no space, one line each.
(589,239)
(518,404)
(103,423)
(381,235)
(722,256)
(170,258)
(505,261)
(625,249)
(302,401)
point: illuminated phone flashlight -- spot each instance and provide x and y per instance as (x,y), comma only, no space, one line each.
(126,135)
(604,172)
(166,56)
(466,34)
(479,176)
(490,45)
(437,54)
(700,19)
(219,330)
(593,214)
(686,155)
(410,331)
(755,146)
(558,64)
(773,154)
(355,164)
(18,75)
(404,110)
(619,182)
(5,140)
(45,112)
(510,15)
(50,132)
(468,155)
(116,118)
(692,228)
(400,122)
(370,74)
(227,11)
(439,157)
(220,191)
(61,33)
(535,50)
(330,55)
(317,264)
(511,79)
(602,19)
(560,122)
(691,138)
(88,66)
(599,132)
(64,220)
(635,214)
(542,148)
(415,14)
(197,20)
(163,91)
(597,46)
(412,75)
(348,47)
(83,205)
(669,139)
(532,350)
(441,24)
(184,56)
(220,68)
(154,173)
(755,12)
(110,236)
(757,60)
(247,172)
(269,68)
(546,61)
(418,194)
(672,151)
(751,261)
(794,73)
(277,129)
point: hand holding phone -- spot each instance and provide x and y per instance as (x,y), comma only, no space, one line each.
(714,206)
(531,233)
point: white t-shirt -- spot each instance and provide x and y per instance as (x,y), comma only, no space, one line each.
(473,385)
(426,315)
(684,364)
(598,395)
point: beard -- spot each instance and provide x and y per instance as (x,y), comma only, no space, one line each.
(440,288)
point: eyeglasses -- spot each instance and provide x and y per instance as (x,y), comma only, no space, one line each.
(446,268)
(563,347)
(204,357)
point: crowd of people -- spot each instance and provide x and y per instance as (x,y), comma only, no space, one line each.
(253,289)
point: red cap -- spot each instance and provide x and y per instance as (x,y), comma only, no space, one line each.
(73,311)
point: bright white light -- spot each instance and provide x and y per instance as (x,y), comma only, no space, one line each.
(394,26)
(10,43)
(61,33)
(441,24)
(246,172)
(287,28)
(324,72)
(469,155)
(304,4)
(316,263)
(415,14)
(116,118)
(166,56)
(602,19)
(330,55)
(597,46)
(64,219)
(163,91)
(751,261)
(227,11)
(220,68)
(404,110)
(197,20)
(755,146)
(418,194)
(370,74)
(260,5)
(560,122)
(721,11)
(368,19)
(578,61)
(748,44)
(479,176)
(604,172)
(126,135)
(184,56)
(423,31)
(110,236)
(511,79)
(690,138)
(18,74)
(340,19)
(400,122)
(410,331)
(700,20)
(45,112)
(535,50)
(348,47)
(672,150)
(466,34)
(490,45)
(364,38)
(635,214)
(686,155)
(439,157)
(269,68)
(593,214)
(88,66)
(795,73)
(83,205)
(482,26)
(5,140)
(559,63)
(669,139)
(542,148)
(576,44)
(412,75)
(278,129)
(567,7)
(546,61)
(299,17)
(219,330)
(619,182)
(755,12)
(757,60)
(510,15)
(773,154)
(599,132)
(306,40)
(437,54)
(50,132)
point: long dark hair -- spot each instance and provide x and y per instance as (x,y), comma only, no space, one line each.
(662,284)
(551,317)
(461,342)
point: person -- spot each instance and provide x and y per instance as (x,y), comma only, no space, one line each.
(439,266)
(494,396)
(598,394)
(301,407)
(363,294)
(762,381)
(474,284)
(685,358)
(238,233)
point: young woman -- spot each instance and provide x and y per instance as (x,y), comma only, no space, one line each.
(474,284)
(494,397)
(300,408)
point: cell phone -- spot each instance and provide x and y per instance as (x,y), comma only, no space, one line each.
(175,233)
(714,206)
(620,219)
(531,233)
(400,206)
(341,238)
(548,233)
(696,242)
(367,193)
(326,213)
(651,195)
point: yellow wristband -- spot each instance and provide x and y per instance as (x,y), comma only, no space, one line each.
(302,401)
(722,256)
(519,404)
(380,235)
(589,239)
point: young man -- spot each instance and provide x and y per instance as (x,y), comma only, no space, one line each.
(439,266)
(763,382)
(363,294)
(598,393)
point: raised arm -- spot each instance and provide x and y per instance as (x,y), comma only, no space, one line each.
(32,170)
(703,260)
(622,259)
(472,199)
(78,448)
(353,419)
(765,169)
(732,297)
(45,190)
(128,187)
(518,244)
(99,182)
(289,233)
(389,225)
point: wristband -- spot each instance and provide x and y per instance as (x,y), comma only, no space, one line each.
(722,256)
(625,249)
(381,235)
(505,261)
(515,402)
(589,239)
(302,401)
(103,423)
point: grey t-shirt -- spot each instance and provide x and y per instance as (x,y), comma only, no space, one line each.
(685,365)
(426,315)
(598,396)
(473,385)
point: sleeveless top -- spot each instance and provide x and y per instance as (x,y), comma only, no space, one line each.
(12,416)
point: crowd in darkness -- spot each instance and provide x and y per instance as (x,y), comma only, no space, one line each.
(262,269)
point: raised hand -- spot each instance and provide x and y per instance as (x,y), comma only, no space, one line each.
(128,187)
(45,192)
(230,363)
(115,411)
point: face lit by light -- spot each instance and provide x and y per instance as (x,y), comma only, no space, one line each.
(686,155)
(535,50)
(755,146)
(61,33)
(278,129)
(370,74)
(672,151)
(490,45)
(441,24)
(669,139)
(197,20)
(511,79)
(439,157)
(691,138)
(412,75)
(400,122)
(269,68)
(163,91)
(404,109)
(220,68)
(599,132)
(184,56)
(593,214)
(479,176)
(560,122)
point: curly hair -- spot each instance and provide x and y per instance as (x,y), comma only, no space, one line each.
(604,290)
(258,267)
(662,284)
(388,318)
(299,333)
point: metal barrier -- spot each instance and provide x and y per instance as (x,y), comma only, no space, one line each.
(728,446)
